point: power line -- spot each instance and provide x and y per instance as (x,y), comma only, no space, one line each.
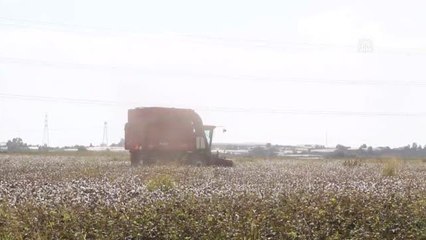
(221,109)
(258,43)
(105,135)
(63,27)
(262,43)
(191,37)
(60,99)
(314,112)
(134,69)
(46,132)
(56,64)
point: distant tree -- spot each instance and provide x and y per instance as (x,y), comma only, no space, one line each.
(16,145)
(340,147)
(119,144)
(43,148)
(265,152)
(273,151)
(257,152)
(370,149)
(80,148)
(363,146)
(420,147)
(414,146)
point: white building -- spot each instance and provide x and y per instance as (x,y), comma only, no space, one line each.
(3,147)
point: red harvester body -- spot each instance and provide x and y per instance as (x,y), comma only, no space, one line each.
(160,134)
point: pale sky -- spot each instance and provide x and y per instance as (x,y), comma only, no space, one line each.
(268,71)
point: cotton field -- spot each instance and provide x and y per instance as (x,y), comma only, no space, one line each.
(99,196)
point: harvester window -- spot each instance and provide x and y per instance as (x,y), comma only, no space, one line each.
(201,144)
(209,136)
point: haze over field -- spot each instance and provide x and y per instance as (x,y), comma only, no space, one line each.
(276,72)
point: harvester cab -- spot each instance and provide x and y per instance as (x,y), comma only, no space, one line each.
(208,131)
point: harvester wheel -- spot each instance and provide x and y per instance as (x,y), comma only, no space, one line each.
(147,160)
(135,158)
(221,162)
(198,163)
(197,160)
(227,163)
(182,158)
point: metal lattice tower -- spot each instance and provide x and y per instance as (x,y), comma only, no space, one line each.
(326,139)
(46,132)
(105,137)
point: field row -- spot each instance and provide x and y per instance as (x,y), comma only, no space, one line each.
(103,197)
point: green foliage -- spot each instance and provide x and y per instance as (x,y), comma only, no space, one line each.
(289,217)
(81,148)
(352,163)
(390,167)
(246,159)
(163,183)
(267,151)
(16,145)
(85,196)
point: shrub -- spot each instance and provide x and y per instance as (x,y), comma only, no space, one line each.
(352,163)
(81,148)
(163,183)
(390,167)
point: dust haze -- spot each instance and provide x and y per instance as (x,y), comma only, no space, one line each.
(287,74)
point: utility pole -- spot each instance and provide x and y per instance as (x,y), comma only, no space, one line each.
(326,139)
(46,132)
(105,137)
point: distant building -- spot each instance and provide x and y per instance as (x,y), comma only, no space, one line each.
(240,152)
(100,148)
(325,150)
(33,148)
(3,147)
(70,149)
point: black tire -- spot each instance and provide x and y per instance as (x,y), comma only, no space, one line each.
(227,163)
(147,159)
(197,159)
(182,158)
(221,162)
(135,159)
